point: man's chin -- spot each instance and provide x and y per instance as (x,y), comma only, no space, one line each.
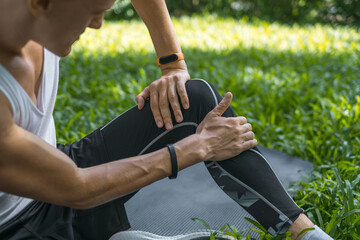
(62,52)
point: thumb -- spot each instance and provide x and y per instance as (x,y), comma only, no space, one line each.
(140,102)
(140,99)
(223,105)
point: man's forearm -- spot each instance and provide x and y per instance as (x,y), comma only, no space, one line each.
(122,177)
(155,15)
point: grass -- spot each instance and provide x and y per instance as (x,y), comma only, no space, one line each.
(298,85)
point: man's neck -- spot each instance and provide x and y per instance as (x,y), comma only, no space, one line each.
(20,56)
(15,26)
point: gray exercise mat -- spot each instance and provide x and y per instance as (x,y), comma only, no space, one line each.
(167,206)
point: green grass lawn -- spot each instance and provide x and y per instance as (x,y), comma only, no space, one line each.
(298,85)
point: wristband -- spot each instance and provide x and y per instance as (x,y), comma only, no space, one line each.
(170,58)
(174,164)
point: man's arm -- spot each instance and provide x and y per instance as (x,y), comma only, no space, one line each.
(32,168)
(163,92)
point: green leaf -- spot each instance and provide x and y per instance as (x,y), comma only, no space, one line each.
(355,182)
(202,222)
(223,227)
(304,231)
(256,224)
(318,214)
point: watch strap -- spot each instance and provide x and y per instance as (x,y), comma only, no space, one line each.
(170,58)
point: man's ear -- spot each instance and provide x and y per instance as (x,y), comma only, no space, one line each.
(38,7)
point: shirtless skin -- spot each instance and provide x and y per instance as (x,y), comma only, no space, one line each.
(32,168)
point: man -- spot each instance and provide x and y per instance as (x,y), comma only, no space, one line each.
(78,191)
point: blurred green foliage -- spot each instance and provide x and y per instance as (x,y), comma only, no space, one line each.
(298,86)
(288,11)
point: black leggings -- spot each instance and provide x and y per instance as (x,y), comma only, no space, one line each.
(247,178)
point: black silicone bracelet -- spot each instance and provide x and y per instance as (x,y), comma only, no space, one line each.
(174,164)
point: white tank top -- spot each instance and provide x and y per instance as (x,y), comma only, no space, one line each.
(38,120)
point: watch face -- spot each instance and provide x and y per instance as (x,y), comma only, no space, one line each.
(168,59)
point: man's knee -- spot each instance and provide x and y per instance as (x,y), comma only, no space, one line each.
(202,92)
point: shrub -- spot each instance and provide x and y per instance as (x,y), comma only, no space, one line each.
(328,11)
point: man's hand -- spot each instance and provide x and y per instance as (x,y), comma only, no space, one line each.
(225,138)
(165,92)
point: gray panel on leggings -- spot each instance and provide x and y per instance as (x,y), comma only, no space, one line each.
(167,206)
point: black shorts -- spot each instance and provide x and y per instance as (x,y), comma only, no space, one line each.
(134,133)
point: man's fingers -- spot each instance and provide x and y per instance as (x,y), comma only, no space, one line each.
(250,144)
(164,106)
(140,99)
(154,104)
(223,105)
(248,136)
(183,94)
(174,102)
(140,102)
(245,128)
(242,120)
